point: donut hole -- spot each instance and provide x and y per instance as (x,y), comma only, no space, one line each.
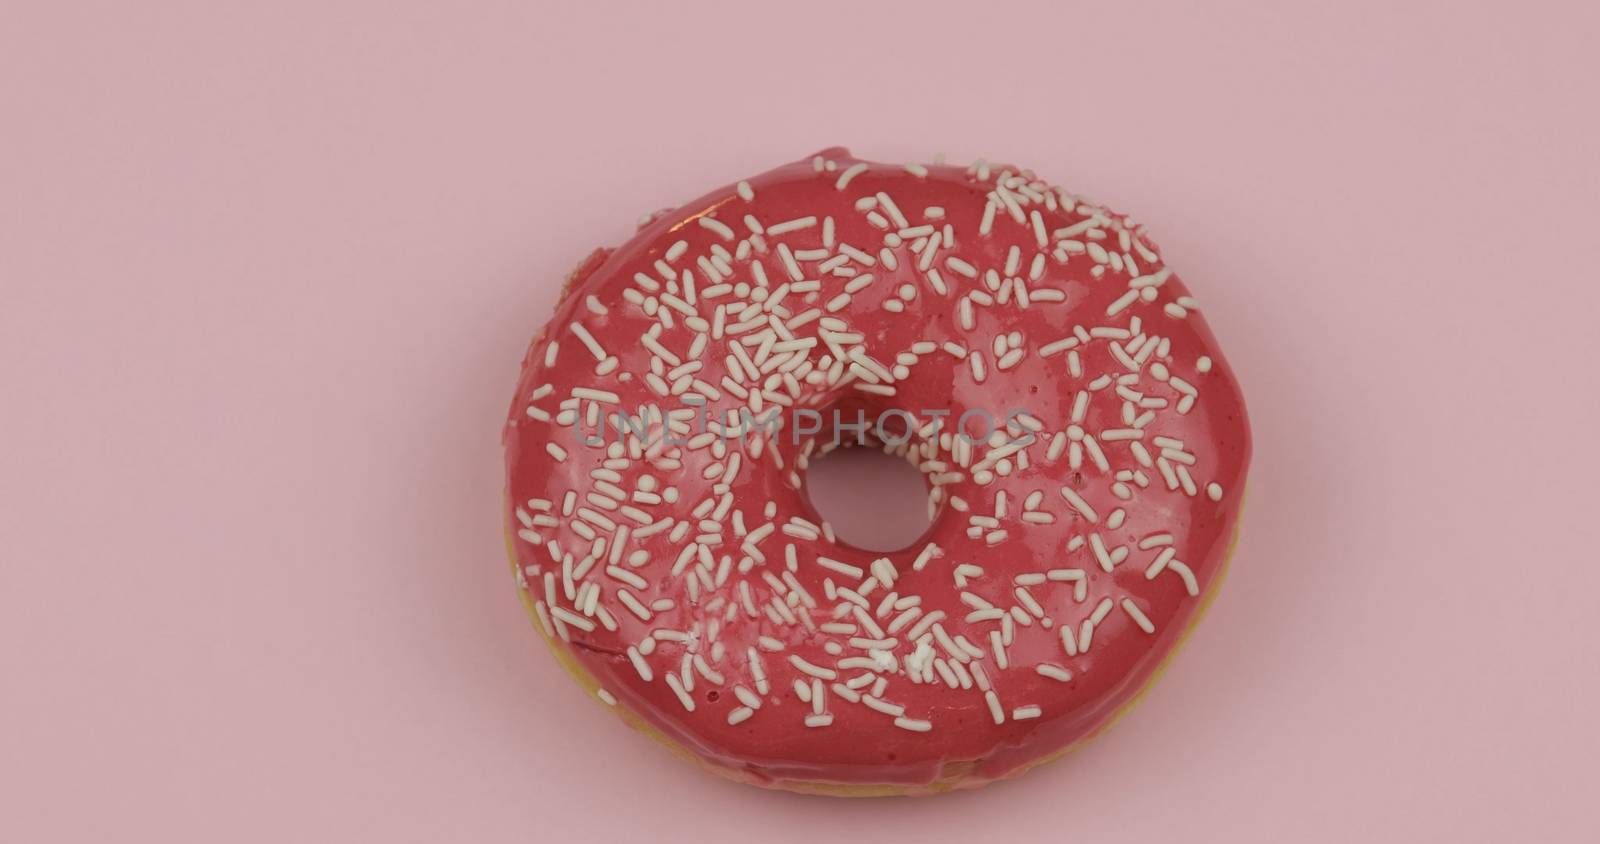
(873,500)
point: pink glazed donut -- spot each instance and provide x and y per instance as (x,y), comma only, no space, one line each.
(1083,440)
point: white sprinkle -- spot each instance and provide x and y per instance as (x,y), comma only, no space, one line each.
(1079,504)
(639,664)
(850,173)
(1054,672)
(1058,346)
(791,225)
(572,618)
(603,396)
(960,266)
(747,697)
(842,568)
(813,670)
(1138,616)
(593,345)
(717,226)
(745,192)
(1183,571)
(883,706)
(677,689)
(1122,301)
(893,210)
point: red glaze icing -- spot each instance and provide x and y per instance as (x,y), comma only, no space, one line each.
(618,296)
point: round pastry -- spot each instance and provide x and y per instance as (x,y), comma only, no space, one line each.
(1084,446)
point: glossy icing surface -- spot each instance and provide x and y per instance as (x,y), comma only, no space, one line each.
(683,565)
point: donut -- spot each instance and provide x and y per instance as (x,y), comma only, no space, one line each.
(1083,441)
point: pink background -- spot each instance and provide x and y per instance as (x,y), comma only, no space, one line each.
(266,273)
